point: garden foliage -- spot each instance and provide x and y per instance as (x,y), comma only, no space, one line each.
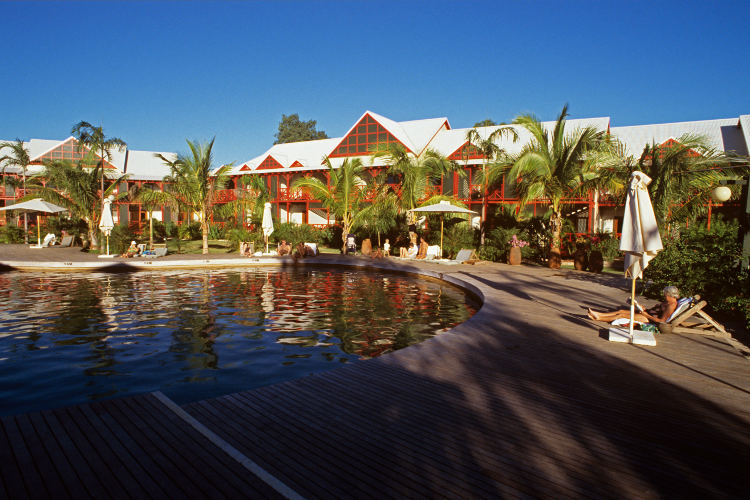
(707,263)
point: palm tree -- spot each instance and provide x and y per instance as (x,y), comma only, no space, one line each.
(151,199)
(193,184)
(550,167)
(77,189)
(683,173)
(380,215)
(344,195)
(95,140)
(490,151)
(251,196)
(18,157)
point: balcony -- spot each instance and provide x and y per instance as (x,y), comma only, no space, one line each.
(289,194)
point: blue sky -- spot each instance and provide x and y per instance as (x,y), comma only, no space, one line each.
(157,73)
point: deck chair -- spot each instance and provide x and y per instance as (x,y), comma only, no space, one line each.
(683,321)
(67,240)
(466,256)
(160,250)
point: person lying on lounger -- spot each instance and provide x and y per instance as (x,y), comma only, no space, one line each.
(657,314)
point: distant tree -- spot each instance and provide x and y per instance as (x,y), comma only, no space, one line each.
(485,123)
(291,129)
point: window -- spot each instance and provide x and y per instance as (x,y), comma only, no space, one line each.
(366,137)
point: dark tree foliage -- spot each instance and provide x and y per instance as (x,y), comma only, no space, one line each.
(485,123)
(291,129)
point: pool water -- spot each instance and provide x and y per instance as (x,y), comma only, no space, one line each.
(75,337)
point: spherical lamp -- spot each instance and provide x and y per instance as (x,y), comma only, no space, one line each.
(721,194)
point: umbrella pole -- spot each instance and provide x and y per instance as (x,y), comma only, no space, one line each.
(38,231)
(441,236)
(632,308)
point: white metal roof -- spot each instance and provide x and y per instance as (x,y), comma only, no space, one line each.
(724,134)
(145,166)
(309,153)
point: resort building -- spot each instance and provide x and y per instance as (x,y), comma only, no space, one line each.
(282,164)
(142,167)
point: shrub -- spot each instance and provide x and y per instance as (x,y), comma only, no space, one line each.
(299,233)
(119,239)
(455,238)
(58,224)
(216,232)
(707,263)
(11,234)
(191,231)
(607,244)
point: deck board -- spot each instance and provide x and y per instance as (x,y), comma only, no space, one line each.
(525,400)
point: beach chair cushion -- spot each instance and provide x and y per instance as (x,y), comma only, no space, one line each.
(682,304)
(433,252)
(466,254)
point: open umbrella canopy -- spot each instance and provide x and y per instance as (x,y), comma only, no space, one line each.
(443,207)
(36,205)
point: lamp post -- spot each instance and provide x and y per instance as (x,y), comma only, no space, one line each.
(721,194)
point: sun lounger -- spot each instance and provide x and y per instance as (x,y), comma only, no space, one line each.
(466,256)
(159,251)
(67,240)
(683,320)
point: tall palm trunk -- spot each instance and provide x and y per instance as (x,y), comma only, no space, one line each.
(25,215)
(555,259)
(483,222)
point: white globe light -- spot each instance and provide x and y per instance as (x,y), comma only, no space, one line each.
(721,194)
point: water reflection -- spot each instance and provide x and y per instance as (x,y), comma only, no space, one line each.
(68,338)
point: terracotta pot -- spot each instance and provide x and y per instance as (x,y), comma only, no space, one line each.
(366,246)
(514,256)
(596,262)
(580,260)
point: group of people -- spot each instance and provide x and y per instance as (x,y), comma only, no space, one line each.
(414,251)
(284,248)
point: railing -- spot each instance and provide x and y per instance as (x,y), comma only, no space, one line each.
(290,194)
(225,195)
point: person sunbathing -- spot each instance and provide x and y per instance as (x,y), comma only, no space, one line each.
(284,248)
(409,253)
(660,313)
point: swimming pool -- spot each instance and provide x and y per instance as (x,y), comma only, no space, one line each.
(68,338)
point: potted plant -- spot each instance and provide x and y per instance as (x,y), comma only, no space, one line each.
(581,257)
(514,256)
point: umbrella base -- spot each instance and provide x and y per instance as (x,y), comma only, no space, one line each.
(640,337)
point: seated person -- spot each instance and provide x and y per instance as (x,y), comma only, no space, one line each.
(409,253)
(422,253)
(304,250)
(132,251)
(660,313)
(386,248)
(49,240)
(246,248)
(376,253)
(284,248)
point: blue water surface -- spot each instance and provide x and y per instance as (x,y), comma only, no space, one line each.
(68,338)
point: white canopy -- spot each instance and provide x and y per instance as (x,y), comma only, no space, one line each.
(36,205)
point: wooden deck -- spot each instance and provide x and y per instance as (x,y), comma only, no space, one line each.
(526,399)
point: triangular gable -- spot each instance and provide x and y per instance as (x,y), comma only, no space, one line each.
(269,163)
(245,168)
(670,143)
(467,151)
(296,164)
(68,150)
(366,137)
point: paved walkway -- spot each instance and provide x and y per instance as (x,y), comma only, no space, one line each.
(526,399)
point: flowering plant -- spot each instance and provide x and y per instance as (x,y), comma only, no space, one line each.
(515,242)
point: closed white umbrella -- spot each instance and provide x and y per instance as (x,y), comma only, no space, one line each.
(443,207)
(267,224)
(640,234)
(107,223)
(36,205)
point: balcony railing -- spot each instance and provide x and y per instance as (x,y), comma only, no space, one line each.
(289,194)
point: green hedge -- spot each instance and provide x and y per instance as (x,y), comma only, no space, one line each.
(698,261)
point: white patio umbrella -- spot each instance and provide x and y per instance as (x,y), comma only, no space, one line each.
(443,207)
(267,224)
(36,205)
(640,234)
(106,223)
